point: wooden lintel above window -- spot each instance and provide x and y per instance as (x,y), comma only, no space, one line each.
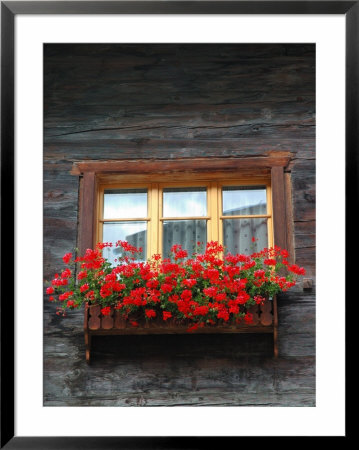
(210,164)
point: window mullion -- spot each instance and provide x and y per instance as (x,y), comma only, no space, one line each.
(219,212)
(153,237)
(213,212)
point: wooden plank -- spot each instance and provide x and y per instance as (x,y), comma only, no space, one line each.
(107,322)
(289,217)
(266,316)
(87,221)
(114,324)
(119,321)
(280,159)
(279,211)
(94,318)
(255,311)
(150,329)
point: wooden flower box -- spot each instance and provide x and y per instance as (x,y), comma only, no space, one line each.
(264,321)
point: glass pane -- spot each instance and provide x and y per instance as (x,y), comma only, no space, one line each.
(184,232)
(135,233)
(244,200)
(125,203)
(182,202)
(238,233)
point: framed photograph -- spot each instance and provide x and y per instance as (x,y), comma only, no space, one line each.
(176,179)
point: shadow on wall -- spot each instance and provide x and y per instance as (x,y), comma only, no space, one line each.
(109,349)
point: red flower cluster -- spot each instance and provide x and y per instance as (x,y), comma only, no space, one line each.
(202,290)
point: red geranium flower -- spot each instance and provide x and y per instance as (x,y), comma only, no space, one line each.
(150,313)
(259,299)
(166,288)
(167,315)
(189,282)
(67,257)
(248,318)
(270,262)
(204,289)
(82,275)
(186,294)
(106,311)
(84,287)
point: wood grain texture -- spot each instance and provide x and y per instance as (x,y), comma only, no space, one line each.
(109,102)
(145,166)
(279,207)
(266,316)
(94,318)
(113,324)
(86,225)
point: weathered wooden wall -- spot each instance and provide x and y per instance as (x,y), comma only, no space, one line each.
(171,101)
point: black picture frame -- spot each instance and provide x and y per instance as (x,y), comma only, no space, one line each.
(9,9)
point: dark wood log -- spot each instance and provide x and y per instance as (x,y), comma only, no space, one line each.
(58,154)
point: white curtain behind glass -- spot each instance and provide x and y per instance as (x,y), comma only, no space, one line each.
(182,202)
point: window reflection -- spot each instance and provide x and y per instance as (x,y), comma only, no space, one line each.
(182,202)
(125,203)
(135,233)
(244,200)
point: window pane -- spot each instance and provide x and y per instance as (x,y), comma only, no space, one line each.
(125,203)
(182,202)
(135,233)
(184,232)
(238,233)
(244,200)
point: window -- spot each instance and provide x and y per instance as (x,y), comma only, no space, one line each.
(156,203)
(159,214)
(124,216)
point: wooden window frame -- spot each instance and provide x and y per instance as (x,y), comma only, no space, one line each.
(94,175)
(151,210)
